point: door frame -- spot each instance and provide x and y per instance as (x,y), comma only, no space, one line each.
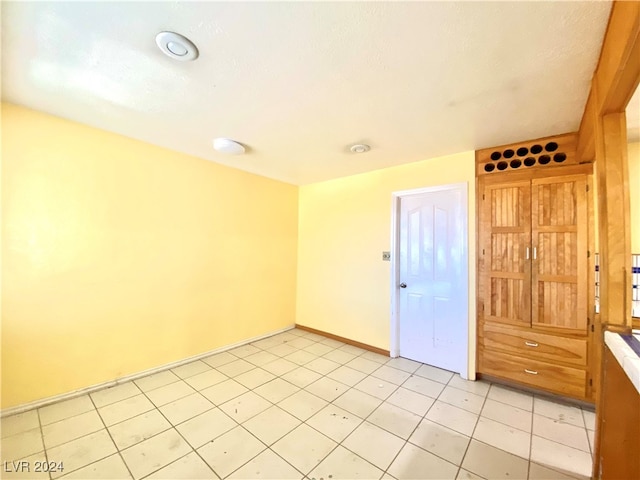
(396,198)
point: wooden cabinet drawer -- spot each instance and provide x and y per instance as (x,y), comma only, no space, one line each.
(555,378)
(540,346)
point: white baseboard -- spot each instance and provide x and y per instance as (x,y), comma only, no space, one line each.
(111,383)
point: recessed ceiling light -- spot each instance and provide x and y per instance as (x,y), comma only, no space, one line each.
(360,148)
(226,145)
(176,46)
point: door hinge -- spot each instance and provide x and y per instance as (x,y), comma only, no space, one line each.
(587,187)
(588,321)
(592,328)
(483,196)
(588,254)
(591,382)
(483,251)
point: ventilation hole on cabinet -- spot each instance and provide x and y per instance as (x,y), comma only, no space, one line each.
(489,167)
(536,149)
(544,159)
(495,156)
(502,165)
(559,157)
(508,153)
(551,147)
(529,161)
(522,151)
(515,163)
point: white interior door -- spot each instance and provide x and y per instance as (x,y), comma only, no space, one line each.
(433,278)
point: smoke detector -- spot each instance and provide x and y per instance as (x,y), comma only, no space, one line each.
(176,46)
(360,148)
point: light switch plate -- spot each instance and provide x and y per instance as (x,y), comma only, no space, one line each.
(386,256)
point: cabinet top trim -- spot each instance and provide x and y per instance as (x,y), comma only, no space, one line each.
(531,155)
(527,175)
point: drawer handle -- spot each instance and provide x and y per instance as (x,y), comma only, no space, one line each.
(531,344)
(530,372)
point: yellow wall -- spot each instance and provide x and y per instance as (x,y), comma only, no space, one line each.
(344,225)
(634,190)
(119,256)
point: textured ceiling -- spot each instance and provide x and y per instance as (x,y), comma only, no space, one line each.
(299,82)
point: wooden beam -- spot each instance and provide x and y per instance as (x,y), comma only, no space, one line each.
(614,220)
(586,148)
(618,70)
(616,77)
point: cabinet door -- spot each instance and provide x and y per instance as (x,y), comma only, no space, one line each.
(506,238)
(559,240)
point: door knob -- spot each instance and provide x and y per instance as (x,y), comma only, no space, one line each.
(403,285)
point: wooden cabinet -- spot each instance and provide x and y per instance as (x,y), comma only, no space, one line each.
(545,375)
(533,280)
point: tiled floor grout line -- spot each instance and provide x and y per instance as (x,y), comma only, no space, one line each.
(89,434)
(143,392)
(268,447)
(112,440)
(300,388)
(466,450)
(348,386)
(44,447)
(424,416)
(173,427)
(78,438)
(57,421)
(338,444)
(214,406)
(302,422)
(174,461)
(118,449)
(506,424)
(411,374)
(531,437)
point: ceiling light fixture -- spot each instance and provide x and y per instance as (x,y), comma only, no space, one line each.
(226,145)
(360,148)
(176,46)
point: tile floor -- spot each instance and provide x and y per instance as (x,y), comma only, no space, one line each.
(301,406)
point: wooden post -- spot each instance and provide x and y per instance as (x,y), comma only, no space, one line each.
(614,221)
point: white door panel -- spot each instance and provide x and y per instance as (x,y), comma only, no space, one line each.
(433,307)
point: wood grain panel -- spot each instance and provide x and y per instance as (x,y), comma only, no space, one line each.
(555,378)
(586,149)
(617,425)
(528,343)
(614,221)
(603,134)
(559,239)
(517,175)
(507,300)
(594,319)
(558,305)
(618,69)
(504,241)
